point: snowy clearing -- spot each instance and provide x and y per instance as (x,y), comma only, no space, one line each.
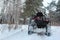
(22,34)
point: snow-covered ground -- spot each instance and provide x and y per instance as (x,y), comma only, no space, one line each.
(22,34)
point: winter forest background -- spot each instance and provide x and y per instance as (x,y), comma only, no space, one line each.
(19,11)
(15,16)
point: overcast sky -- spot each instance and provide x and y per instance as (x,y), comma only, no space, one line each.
(45,2)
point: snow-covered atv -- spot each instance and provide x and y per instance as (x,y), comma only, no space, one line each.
(34,28)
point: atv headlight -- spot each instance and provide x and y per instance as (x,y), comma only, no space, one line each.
(32,20)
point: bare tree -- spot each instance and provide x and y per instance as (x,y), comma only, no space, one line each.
(11,11)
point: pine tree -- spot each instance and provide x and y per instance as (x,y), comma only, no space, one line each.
(31,7)
(57,15)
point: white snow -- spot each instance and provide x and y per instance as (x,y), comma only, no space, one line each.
(22,34)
